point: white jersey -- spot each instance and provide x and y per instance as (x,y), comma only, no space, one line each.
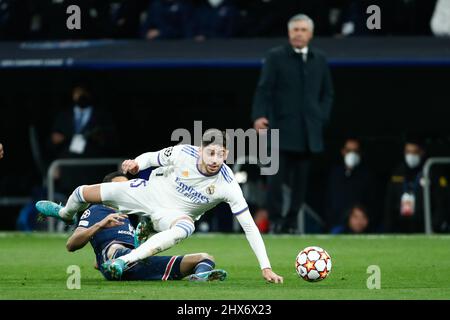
(179,186)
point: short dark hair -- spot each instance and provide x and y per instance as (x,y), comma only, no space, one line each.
(415,139)
(110,176)
(214,137)
(356,206)
(351,138)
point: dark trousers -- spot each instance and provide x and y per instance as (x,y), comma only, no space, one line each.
(293,171)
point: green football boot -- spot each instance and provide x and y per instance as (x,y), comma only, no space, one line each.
(216,274)
(51,209)
(114,268)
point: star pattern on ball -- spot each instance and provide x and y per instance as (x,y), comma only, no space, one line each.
(313,264)
(324,256)
(309,265)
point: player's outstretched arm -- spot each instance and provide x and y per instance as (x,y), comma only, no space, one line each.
(146,160)
(81,235)
(257,244)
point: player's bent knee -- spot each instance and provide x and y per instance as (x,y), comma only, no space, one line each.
(91,193)
(206,256)
(187,226)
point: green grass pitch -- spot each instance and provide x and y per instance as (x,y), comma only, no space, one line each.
(33,266)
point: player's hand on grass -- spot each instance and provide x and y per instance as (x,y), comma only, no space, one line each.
(112,220)
(271,276)
(130,166)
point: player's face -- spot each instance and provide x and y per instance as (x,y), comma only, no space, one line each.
(300,34)
(213,156)
(358,221)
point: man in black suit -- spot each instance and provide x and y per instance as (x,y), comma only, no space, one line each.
(294,94)
(82,131)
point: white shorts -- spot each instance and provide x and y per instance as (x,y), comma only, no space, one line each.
(132,200)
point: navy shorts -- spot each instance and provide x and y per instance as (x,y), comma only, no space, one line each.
(151,268)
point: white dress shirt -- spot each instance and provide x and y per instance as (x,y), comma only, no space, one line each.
(303,51)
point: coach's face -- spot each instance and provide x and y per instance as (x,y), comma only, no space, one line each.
(213,156)
(300,34)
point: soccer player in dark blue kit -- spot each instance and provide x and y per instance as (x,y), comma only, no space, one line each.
(112,235)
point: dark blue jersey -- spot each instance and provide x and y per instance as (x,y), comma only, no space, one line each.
(151,268)
(102,240)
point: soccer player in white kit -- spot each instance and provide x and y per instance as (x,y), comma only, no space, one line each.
(188,182)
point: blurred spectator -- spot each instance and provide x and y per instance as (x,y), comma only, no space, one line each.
(125,17)
(15,19)
(171,19)
(215,19)
(266,18)
(49,20)
(355,17)
(261,18)
(441,196)
(295,95)
(99,19)
(168,19)
(404,198)
(2,179)
(262,220)
(2,153)
(440,21)
(404,212)
(356,222)
(319,11)
(83,131)
(411,17)
(399,17)
(349,183)
(27,219)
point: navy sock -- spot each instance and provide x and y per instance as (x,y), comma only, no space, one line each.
(204,265)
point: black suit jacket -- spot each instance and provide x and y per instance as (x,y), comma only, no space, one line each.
(296,97)
(99,133)
(345,191)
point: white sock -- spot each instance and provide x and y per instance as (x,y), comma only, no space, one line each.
(75,203)
(161,241)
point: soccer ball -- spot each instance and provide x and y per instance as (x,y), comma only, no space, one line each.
(313,264)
